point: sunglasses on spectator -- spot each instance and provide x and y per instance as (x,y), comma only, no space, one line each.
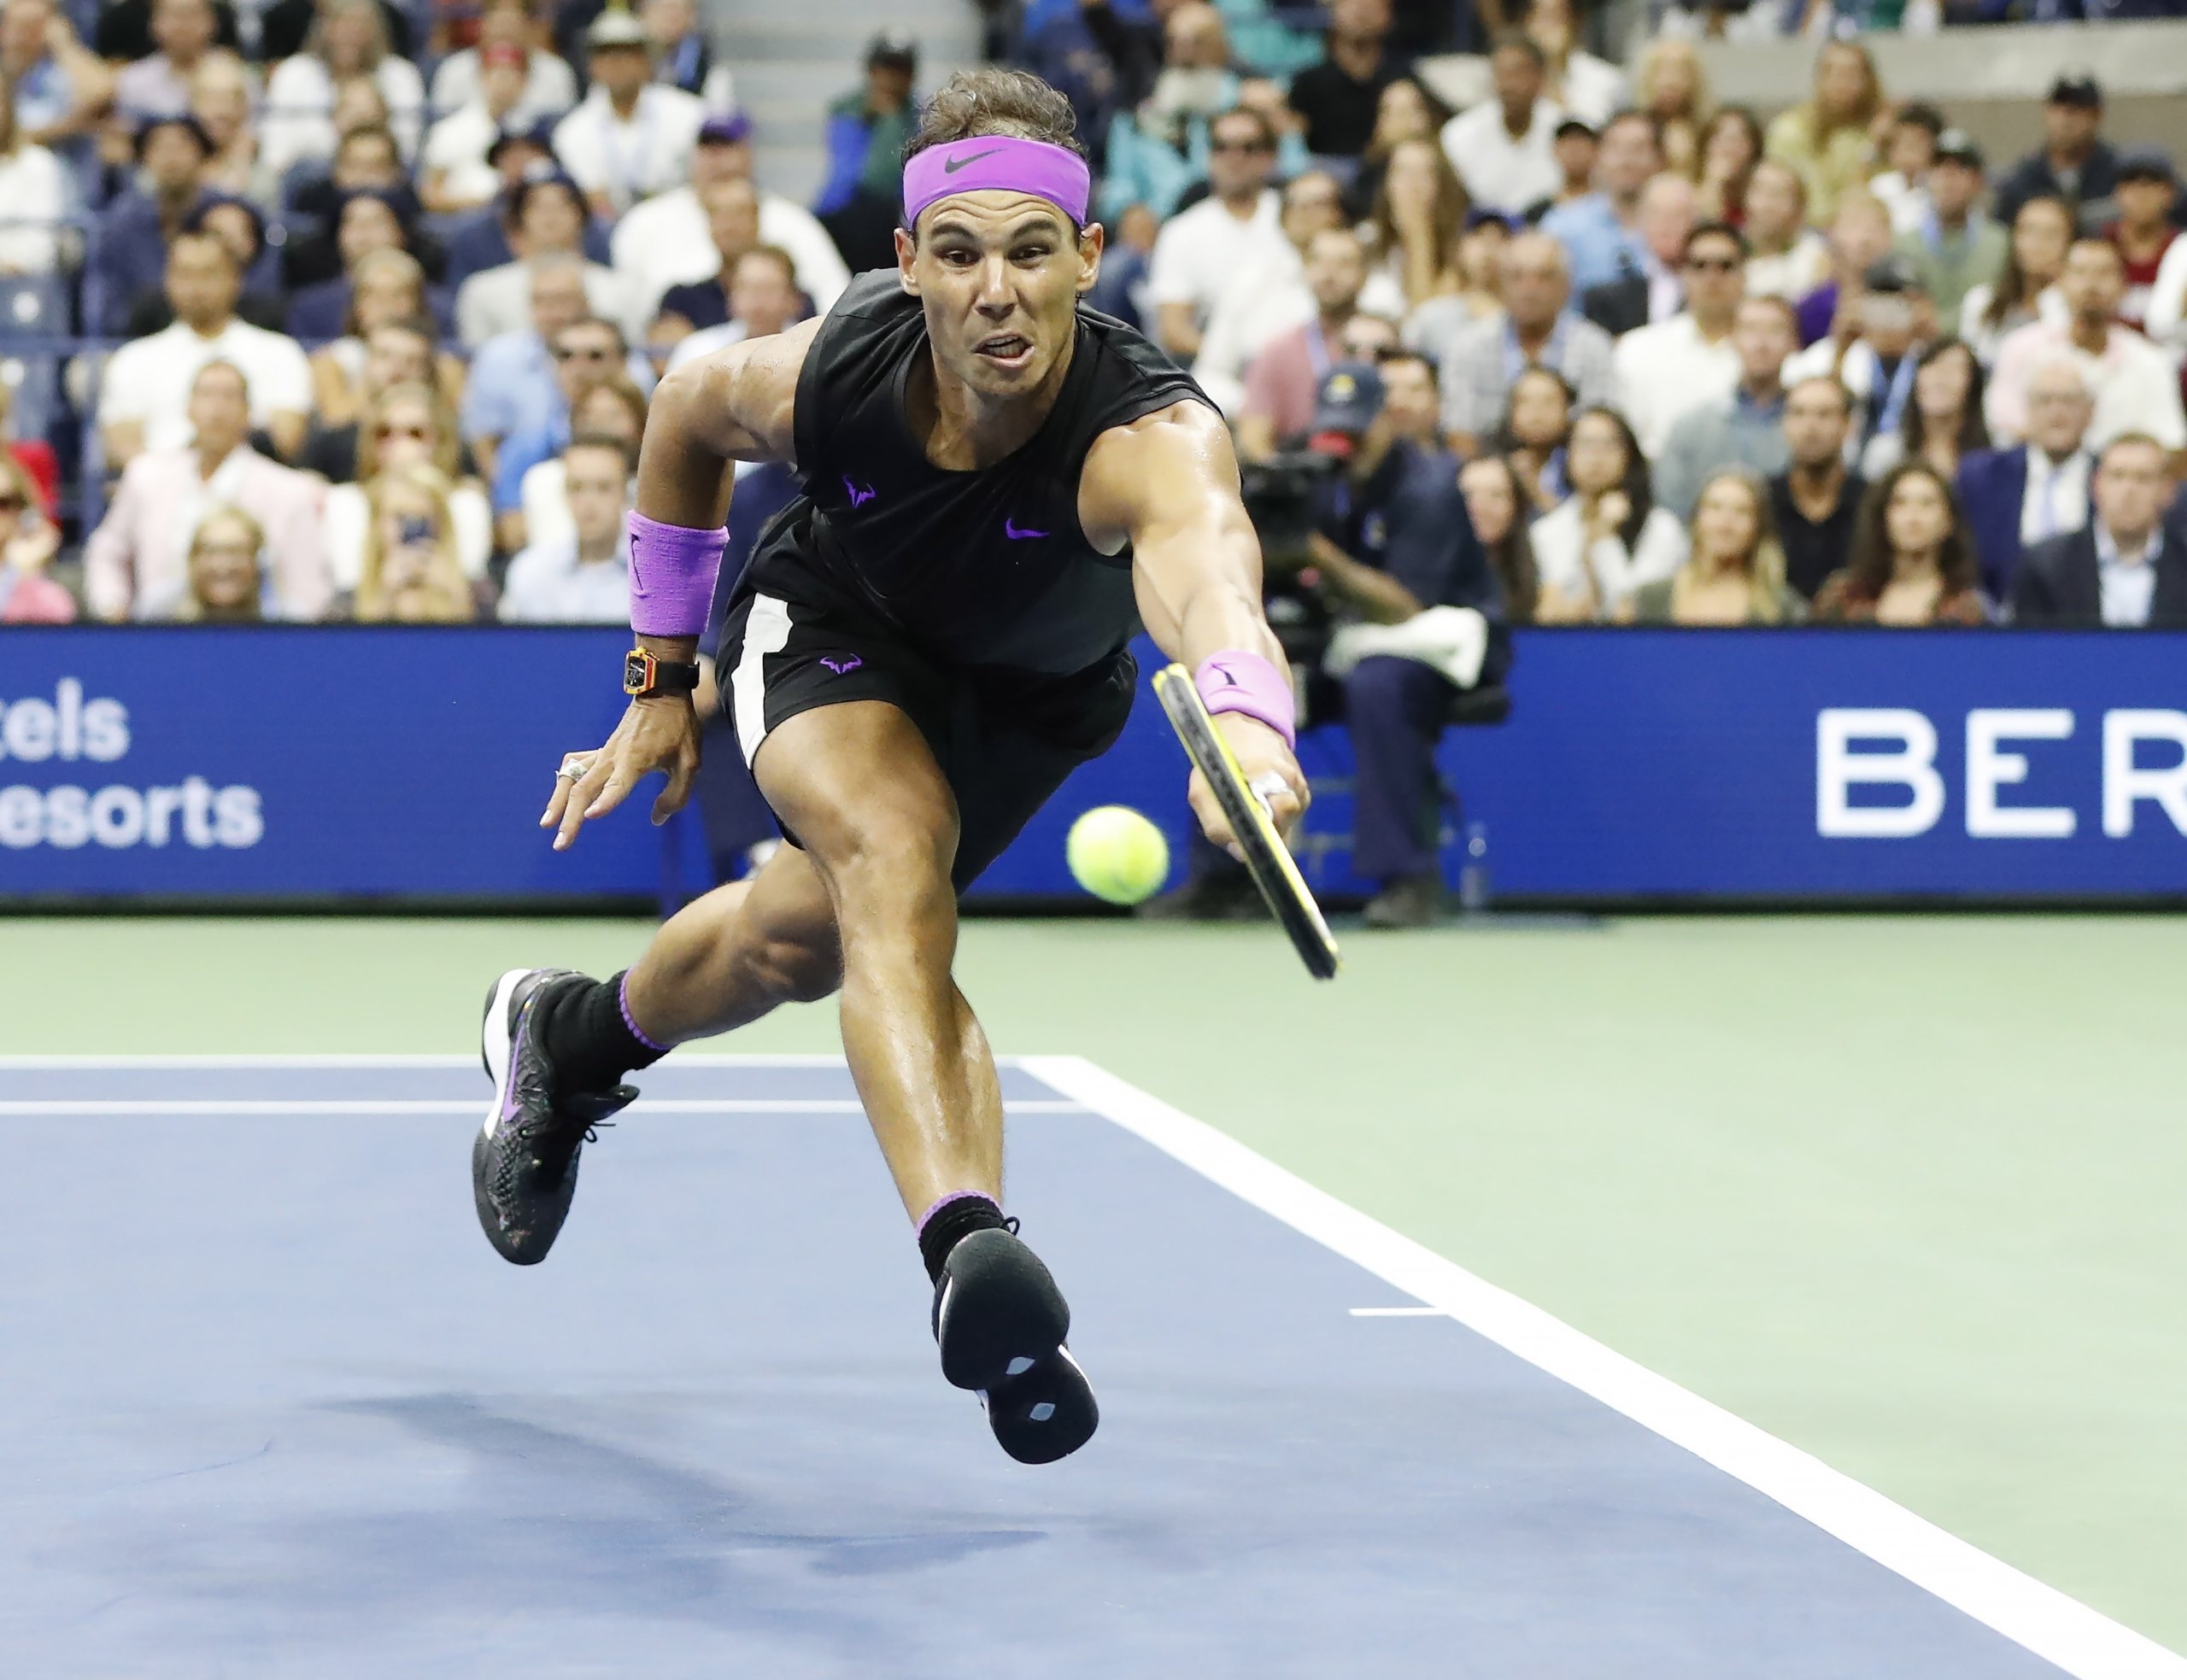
(584,353)
(10,502)
(1712,264)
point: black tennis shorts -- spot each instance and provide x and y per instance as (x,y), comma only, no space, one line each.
(792,640)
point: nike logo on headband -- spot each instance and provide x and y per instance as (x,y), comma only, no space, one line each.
(950,165)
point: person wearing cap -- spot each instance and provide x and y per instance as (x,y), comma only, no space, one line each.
(1891,320)
(683,56)
(632,137)
(1502,147)
(2145,234)
(550,85)
(2136,384)
(1954,246)
(130,240)
(868,128)
(456,169)
(1600,231)
(666,240)
(2073,163)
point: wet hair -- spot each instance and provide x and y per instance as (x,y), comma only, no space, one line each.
(993,100)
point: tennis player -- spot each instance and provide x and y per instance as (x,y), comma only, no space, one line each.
(999,486)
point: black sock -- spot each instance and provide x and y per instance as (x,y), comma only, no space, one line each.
(949,1221)
(589,1038)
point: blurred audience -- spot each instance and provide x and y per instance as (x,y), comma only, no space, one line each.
(550,215)
(2119,571)
(1338,98)
(1942,422)
(1496,506)
(1671,88)
(583,577)
(224,579)
(1815,501)
(1282,379)
(1785,257)
(1734,573)
(1830,139)
(1730,151)
(349,43)
(550,86)
(1667,369)
(1601,233)
(631,137)
(2029,492)
(1479,361)
(1608,538)
(1954,247)
(1744,429)
(2075,163)
(2027,288)
(1912,563)
(411,572)
(28,542)
(1649,287)
(407,425)
(1536,429)
(1238,223)
(1502,148)
(2136,384)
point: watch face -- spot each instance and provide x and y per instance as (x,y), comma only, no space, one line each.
(637,671)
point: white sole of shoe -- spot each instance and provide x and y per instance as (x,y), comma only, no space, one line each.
(494,1042)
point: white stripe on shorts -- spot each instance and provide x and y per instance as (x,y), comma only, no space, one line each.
(766,631)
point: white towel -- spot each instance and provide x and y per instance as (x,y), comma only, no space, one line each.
(1451,639)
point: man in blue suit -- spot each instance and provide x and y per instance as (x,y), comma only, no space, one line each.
(2124,570)
(2017,497)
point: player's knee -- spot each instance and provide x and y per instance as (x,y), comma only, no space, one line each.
(895,857)
(799,971)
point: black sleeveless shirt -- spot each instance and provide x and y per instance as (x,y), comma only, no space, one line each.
(987,568)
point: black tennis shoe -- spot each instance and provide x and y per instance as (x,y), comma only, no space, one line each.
(999,1321)
(523,1162)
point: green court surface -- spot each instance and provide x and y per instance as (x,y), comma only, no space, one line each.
(1906,1191)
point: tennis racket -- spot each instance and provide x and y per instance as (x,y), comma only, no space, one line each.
(1266,856)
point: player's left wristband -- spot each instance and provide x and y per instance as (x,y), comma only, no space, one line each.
(1240,681)
(672,573)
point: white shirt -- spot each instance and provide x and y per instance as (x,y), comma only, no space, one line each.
(348,519)
(2136,385)
(2166,319)
(1617,571)
(635,158)
(1594,88)
(1498,171)
(35,193)
(2126,584)
(1983,339)
(299,119)
(548,585)
(1794,273)
(148,380)
(1668,370)
(664,242)
(2055,501)
(1198,250)
(550,86)
(1907,201)
(496,301)
(457,145)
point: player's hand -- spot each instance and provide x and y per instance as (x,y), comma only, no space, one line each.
(1269,769)
(660,733)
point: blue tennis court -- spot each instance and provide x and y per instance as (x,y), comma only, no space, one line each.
(275,1408)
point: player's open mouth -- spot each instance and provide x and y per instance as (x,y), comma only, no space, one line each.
(1005,349)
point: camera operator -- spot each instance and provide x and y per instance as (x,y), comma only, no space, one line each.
(1385,601)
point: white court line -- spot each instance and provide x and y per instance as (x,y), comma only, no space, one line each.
(2060,1629)
(662,1105)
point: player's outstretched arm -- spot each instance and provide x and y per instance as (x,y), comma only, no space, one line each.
(1169,483)
(736,405)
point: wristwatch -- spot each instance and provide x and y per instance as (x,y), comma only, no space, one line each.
(644,677)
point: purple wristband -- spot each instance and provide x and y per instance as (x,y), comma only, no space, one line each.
(1240,681)
(672,573)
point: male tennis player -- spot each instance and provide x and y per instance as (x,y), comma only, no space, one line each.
(999,485)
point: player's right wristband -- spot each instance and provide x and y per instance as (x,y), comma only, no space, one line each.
(1242,681)
(672,573)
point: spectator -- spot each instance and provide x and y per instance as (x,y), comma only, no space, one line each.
(732,207)
(285,29)
(1955,248)
(225,577)
(1730,151)
(2073,164)
(1472,284)
(1339,97)
(1601,232)
(1577,149)
(1419,213)
(2136,386)
(632,137)
(585,578)
(1238,224)
(135,563)
(682,57)
(763,300)
(550,86)
(28,541)
(1670,368)
(1284,378)
(1406,111)
(237,223)
(123,33)
(367,159)
(1478,362)
(1910,149)
(1369,337)
(184,31)
(1735,574)
(1744,429)
(1102,58)
(33,454)
(1828,140)
(1815,501)
(2146,194)
(1649,289)
(1496,504)
(1912,563)
(223,97)
(348,42)
(369,224)
(398,352)
(145,393)
(60,87)
(411,574)
(1268,295)
(2026,495)
(512,379)
(407,425)
(455,174)
(1608,538)
(550,219)
(1120,289)
(2118,572)
(1942,423)
(867,130)
(614,408)
(1786,258)
(1574,80)
(1872,351)
(389,288)
(1531,440)
(1502,148)
(129,249)
(2035,261)
(1671,88)
(668,240)
(35,191)
(1160,151)
(586,352)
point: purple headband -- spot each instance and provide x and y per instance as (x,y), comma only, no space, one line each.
(998,162)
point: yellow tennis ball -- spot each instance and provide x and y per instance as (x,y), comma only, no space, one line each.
(1116,854)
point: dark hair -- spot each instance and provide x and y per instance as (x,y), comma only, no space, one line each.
(1439,111)
(194,221)
(619,385)
(1869,569)
(622,342)
(1718,230)
(1735,188)
(601,440)
(1517,40)
(1253,113)
(1973,431)
(1512,557)
(777,255)
(1639,493)
(1783,306)
(371,131)
(522,194)
(1647,120)
(993,100)
(2139,440)
(2012,292)
(1504,440)
(1918,114)
(1383,358)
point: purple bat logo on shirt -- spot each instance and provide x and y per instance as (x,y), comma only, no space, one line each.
(858,497)
(1010,529)
(840,666)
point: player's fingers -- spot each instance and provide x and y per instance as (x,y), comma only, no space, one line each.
(612,792)
(1212,822)
(584,798)
(678,790)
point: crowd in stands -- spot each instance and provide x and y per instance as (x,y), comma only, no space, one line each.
(337,309)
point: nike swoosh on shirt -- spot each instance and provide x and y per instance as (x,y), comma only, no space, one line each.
(950,165)
(1010,529)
